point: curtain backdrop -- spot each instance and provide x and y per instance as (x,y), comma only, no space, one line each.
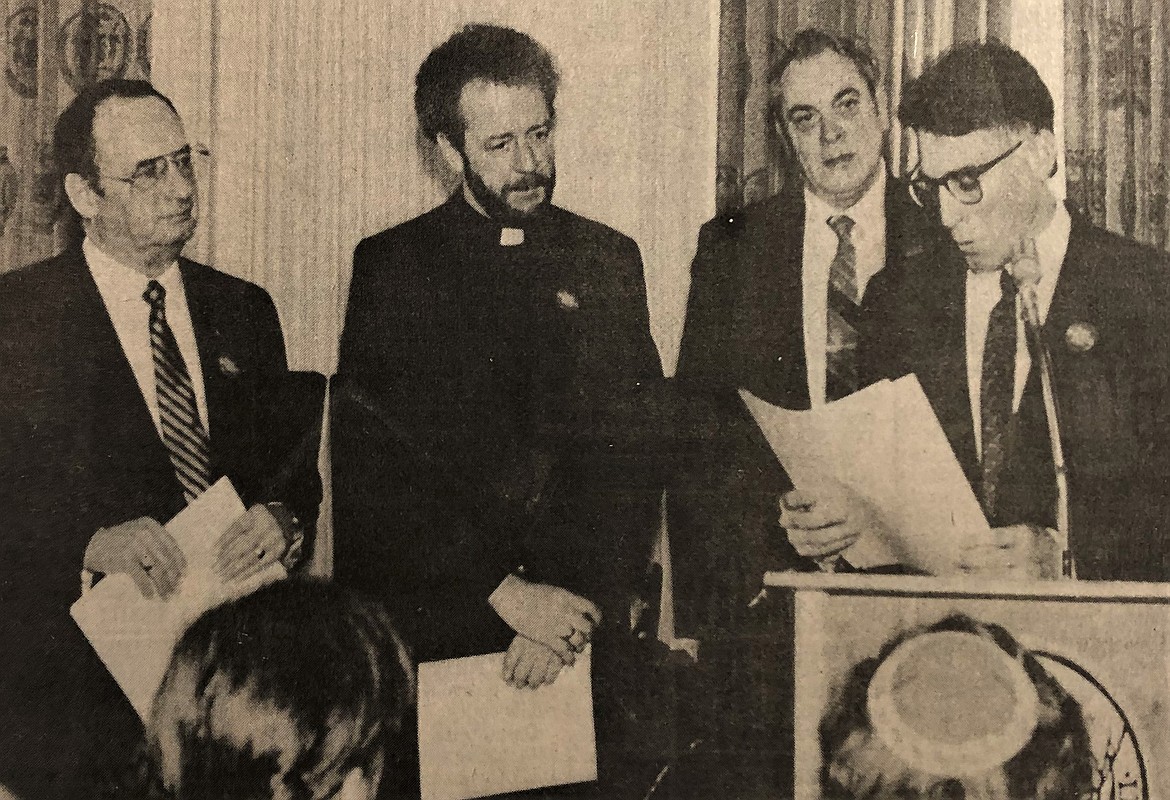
(52,48)
(904,34)
(1117,95)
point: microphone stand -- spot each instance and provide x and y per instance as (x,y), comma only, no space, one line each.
(1051,412)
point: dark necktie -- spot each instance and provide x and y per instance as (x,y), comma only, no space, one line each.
(182,431)
(843,312)
(996,391)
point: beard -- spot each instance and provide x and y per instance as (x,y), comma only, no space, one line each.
(496,204)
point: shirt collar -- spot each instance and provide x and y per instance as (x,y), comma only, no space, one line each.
(868,213)
(118,281)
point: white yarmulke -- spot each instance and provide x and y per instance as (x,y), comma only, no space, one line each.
(952,704)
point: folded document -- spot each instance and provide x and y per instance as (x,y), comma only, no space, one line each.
(135,636)
(478,736)
(885,444)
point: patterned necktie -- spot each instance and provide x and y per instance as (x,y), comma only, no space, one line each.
(997,389)
(182,431)
(843,313)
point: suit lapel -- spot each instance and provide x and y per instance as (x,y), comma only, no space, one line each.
(209,340)
(769,320)
(121,431)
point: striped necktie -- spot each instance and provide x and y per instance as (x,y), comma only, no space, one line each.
(182,431)
(996,391)
(843,312)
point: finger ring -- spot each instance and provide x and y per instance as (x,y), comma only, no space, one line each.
(260,553)
(147,564)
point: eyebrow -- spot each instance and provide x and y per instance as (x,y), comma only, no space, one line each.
(148,161)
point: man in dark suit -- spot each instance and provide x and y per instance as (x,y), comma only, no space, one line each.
(133,379)
(1040,283)
(776,307)
(489,483)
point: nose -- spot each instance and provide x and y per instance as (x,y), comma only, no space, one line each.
(950,210)
(831,129)
(524,157)
(179,183)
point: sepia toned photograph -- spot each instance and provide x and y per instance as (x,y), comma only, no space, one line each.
(619,399)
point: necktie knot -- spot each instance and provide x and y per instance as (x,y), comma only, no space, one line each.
(155,295)
(842,225)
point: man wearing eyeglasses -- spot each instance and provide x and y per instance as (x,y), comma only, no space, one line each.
(1045,297)
(132,380)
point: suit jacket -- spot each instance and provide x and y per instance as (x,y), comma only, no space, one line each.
(1111,361)
(79,451)
(745,329)
(487,420)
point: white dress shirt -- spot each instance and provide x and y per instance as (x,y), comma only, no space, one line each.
(121,288)
(983,293)
(820,246)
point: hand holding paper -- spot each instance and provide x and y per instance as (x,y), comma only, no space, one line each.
(252,543)
(553,616)
(142,549)
(1018,551)
(825,520)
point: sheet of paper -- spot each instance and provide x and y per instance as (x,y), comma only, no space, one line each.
(885,444)
(134,636)
(478,737)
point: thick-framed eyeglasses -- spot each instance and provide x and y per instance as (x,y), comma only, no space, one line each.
(964,184)
(150,172)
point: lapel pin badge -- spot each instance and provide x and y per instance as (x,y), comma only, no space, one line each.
(228,367)
(1080,337)
(567,300)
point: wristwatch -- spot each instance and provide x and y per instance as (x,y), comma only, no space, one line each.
(294,534)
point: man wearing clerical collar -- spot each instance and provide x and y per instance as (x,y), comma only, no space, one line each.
(134,379)
(1046,298)
(486,468)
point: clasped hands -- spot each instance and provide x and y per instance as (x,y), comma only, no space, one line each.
(823,522)
(552,626)
(142,549)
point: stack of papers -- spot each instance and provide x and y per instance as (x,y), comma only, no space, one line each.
(885,444)
(134,636)
(478,736)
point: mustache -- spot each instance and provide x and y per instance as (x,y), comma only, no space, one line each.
(529,182)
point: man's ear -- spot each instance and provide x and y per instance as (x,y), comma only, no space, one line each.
(450,153)
(883,106)
(1044,154)
(82,196)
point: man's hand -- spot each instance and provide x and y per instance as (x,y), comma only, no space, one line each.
(549,615)
(529,664)
(824,522)
(1017,551)
(142,549)
(252,543)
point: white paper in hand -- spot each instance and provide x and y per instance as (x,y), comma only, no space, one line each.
(884,443)
(134,636)
(478,736)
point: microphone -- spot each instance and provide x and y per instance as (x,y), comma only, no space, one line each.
(1025,270)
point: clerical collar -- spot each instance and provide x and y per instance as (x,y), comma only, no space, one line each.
(509,237)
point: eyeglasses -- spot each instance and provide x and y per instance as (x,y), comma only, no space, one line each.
(150,172)
(963,183)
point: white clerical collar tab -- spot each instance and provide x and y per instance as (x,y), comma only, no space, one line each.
(510,237)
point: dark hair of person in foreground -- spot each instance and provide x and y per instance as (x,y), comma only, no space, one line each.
(296,692)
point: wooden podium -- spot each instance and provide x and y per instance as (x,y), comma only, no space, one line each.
(1106,644)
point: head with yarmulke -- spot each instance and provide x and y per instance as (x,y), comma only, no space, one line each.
(984,123)
(487,98)
(296,692)
(955,711)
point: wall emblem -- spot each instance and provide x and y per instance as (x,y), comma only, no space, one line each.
(95,45)
(21,45)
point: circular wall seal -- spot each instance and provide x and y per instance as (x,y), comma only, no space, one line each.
(95,45)
(21,44)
